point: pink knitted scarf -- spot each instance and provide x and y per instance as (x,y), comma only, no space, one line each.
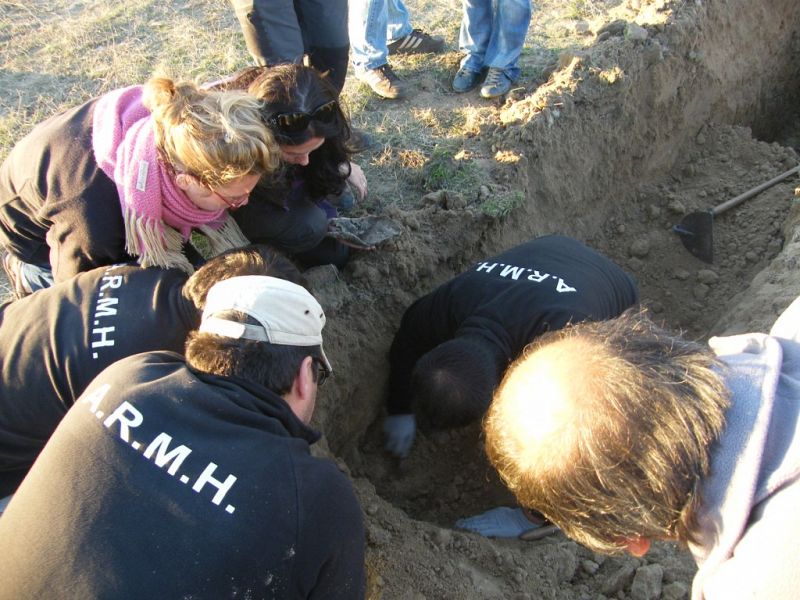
(158,215)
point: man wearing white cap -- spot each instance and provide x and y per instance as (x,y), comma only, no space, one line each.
(193,478)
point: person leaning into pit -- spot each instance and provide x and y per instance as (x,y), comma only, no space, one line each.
(57,340)
(454,343)
(130,175)
(291,209)
(178,478)
(622,433)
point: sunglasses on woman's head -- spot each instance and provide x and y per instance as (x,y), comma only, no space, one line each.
(295,122)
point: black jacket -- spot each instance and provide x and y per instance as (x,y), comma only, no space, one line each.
(508,300)
(54,342)
(57,207)
(162,482)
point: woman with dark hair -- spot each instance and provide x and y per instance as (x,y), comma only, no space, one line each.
(290,210)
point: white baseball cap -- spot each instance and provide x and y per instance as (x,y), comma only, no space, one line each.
(287,313)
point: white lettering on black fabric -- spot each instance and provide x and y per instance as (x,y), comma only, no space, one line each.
(160,451)
(176,455)
(517,273)
(222,486)
(127,417)
(103,325)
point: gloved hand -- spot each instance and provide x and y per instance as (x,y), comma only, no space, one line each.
(500,522)
(399,431)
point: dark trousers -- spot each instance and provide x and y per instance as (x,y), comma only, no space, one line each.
(284,31)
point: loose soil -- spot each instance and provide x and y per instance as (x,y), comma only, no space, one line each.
(628,116)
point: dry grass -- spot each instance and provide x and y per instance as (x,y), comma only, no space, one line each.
(58,53)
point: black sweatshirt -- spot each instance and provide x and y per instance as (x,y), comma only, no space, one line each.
(57,207)
(508,300)
(54,342)
(162,482)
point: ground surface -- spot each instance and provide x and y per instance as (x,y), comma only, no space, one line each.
(628,116)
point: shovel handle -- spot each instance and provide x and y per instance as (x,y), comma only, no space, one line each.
(755,191)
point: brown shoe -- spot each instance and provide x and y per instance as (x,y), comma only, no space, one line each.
(383,82)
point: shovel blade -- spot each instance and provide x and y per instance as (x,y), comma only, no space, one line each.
(695,231)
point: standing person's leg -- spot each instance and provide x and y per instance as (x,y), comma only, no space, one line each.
(325,36)
(404,39)
(398,23)
(368,24)
(271,30)
(473,40)
(510,26)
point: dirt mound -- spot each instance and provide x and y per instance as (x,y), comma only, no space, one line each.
(659,109)
(651,122)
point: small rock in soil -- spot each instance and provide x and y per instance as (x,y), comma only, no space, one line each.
(647,582)
(676,590)
(640,248)
(707,276)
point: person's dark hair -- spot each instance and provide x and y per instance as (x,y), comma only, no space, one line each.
(452,385)
(296,88)
(271,365)
(256,259)
(605,428)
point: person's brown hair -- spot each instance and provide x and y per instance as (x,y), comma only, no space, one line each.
(273,366)
(215,136)
(610,438)
(255,259)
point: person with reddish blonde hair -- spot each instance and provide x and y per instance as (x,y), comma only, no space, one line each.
(621,432)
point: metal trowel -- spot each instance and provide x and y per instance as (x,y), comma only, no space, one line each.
(696,229)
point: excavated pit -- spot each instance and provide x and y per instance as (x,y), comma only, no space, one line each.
(624,139)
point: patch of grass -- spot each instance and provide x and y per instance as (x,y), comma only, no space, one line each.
(501,205)
(576,9)
(444,171)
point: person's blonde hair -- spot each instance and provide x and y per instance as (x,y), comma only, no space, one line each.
(606,427)
(217,137)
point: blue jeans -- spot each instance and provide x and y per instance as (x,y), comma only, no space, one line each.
(36,277)
(493,33)
(373,24)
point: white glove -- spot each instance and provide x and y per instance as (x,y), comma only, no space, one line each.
(500,522)
(399,431)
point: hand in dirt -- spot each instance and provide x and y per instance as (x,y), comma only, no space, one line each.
(500,522)
(399,431)
(358,180)
(355,245)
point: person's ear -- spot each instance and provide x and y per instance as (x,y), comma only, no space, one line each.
(303,393)
(306,378)
(637,546)
(183,181)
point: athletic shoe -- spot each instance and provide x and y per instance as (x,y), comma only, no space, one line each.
(416,42)
(496,83)
(383,82)
(465,80)
(11,265)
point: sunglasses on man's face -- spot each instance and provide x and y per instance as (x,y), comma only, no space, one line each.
(322,372)
(295,122)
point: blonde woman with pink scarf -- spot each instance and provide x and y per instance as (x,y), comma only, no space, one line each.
(129,176)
